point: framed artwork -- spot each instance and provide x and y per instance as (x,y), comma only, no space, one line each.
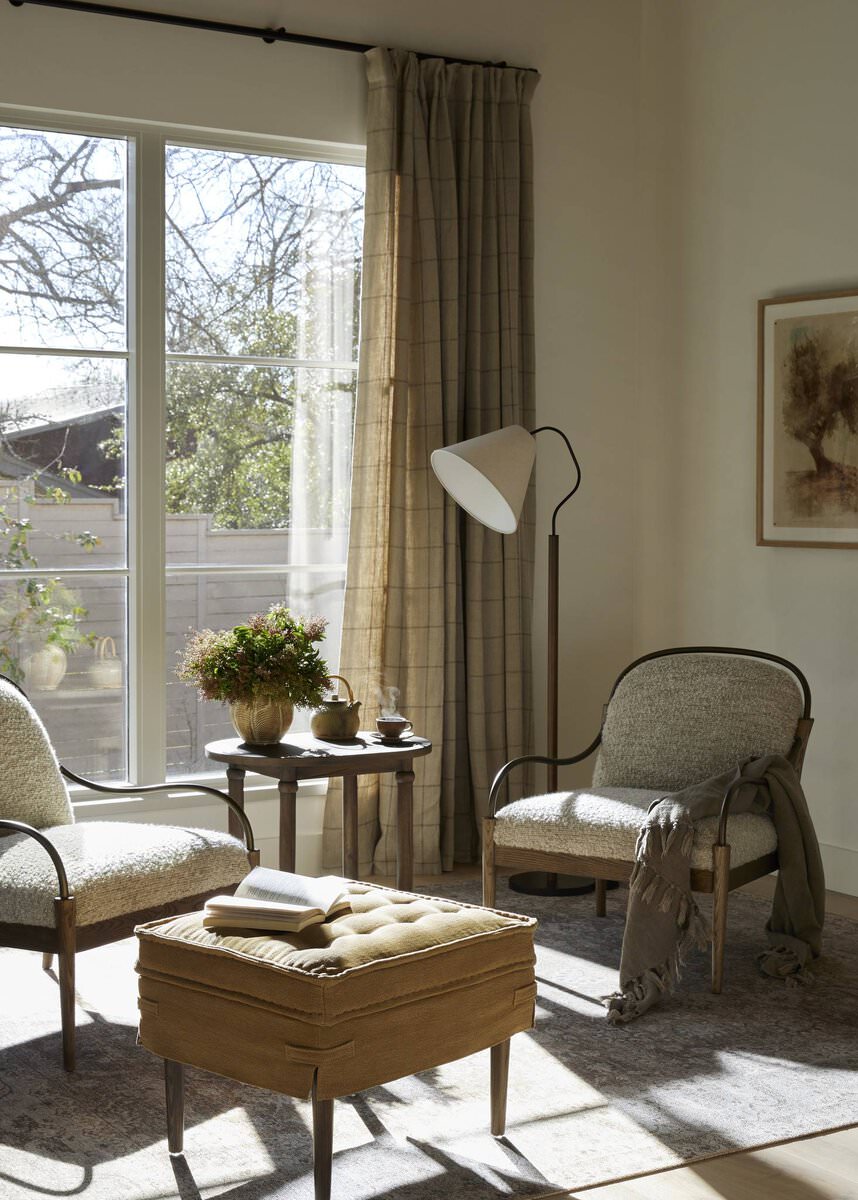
(807,421)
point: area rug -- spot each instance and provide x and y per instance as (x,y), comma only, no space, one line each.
(589,1102)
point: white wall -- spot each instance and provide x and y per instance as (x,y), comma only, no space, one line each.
(752,151)
(585,126)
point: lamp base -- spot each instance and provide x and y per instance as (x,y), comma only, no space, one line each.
(540,883)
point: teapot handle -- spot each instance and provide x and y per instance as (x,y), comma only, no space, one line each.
(348,686)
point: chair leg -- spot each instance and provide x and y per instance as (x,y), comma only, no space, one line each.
(720,895)
(323,1145)
(489,876)
(47,961)
(601,894)
(65,918)
(174,1087)
(499,1078)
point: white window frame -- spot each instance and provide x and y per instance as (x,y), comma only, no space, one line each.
(146,713)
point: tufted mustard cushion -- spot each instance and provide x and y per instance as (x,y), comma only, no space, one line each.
(399,984)
(685,717)
(31,787)
(605,822)
(113,868)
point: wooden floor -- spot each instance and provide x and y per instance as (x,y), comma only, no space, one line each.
(824,1167)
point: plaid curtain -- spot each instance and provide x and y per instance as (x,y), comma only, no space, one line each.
(437,605)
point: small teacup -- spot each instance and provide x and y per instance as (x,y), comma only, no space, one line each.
(393,727)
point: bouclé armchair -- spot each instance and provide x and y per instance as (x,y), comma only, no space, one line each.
(674,718)
(67,886)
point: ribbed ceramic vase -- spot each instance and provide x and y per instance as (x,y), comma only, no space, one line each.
(261,722)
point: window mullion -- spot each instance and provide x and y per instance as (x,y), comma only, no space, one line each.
(147,699)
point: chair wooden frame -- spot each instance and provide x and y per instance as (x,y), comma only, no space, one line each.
(65,938)
(719,881)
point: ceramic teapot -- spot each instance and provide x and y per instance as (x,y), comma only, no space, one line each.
(337,720)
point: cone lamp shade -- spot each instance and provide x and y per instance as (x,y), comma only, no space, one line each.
(488,476)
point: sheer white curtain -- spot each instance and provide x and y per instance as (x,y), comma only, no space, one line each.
(322,440)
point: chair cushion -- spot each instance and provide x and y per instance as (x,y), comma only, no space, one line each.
(31,787)
(678,719)
(114,868)
(604,822)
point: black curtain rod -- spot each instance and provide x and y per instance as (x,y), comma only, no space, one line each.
(269,36)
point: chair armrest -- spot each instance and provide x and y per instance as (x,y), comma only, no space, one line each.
(144,789)
(46,844)
(534,758)
(732,788)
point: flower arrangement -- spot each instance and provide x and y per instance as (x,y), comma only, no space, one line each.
(271,658)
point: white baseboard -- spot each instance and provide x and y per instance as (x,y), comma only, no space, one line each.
(841,868)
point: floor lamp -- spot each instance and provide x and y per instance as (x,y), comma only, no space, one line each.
(488,477)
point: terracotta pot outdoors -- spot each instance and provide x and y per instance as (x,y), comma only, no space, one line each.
(261,722)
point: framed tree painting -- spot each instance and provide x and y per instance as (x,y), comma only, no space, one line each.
(807,421)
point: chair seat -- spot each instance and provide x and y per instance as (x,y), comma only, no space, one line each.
(604,822)
(114,868)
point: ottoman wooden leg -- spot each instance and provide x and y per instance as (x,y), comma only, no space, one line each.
(323,1145)
(174,1085)
(500,1075)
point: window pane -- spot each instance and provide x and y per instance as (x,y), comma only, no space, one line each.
(62,270)
(258,463)
(63,639)
(62,462)
(263,255)
(200,602)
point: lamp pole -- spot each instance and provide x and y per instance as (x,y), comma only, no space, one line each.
(553,628)
(553,651)
(530,882)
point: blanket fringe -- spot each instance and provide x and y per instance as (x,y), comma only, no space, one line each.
(660,839)
(654,889)
(637,995)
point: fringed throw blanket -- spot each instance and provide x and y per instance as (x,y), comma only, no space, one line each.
(663,922)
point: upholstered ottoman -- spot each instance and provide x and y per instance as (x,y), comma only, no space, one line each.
(399,984)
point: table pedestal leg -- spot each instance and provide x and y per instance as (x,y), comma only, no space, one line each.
(351,863)
(405,830)
(288,789)
(235,787)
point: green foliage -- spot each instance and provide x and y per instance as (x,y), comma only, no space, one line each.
(36,611)
(41,612)
(272,657)
(229,432)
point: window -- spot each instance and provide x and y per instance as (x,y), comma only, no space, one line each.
(178,338)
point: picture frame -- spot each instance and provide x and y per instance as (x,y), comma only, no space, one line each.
(807,420)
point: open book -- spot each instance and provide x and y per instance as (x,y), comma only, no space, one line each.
(267,899)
